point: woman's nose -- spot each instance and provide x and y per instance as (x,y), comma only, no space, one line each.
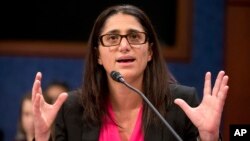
(124,45)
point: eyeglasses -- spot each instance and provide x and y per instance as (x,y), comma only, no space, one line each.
(133,38)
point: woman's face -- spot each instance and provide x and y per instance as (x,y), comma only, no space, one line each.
(27,117)
(130,60)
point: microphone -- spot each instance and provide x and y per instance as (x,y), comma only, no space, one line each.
(118,78)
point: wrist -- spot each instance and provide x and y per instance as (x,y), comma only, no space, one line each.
(42,137)
(208,136)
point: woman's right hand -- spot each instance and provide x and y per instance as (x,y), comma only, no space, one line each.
(44,113)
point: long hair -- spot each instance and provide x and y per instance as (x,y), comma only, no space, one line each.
(20,133)
(155,81)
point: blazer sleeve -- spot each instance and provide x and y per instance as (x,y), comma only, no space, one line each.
(191,132)
(68,123)
(59,130)
(177,117)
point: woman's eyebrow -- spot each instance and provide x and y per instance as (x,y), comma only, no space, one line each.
(133,30)
(115,31)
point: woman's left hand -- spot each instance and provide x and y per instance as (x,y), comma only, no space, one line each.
(207,116)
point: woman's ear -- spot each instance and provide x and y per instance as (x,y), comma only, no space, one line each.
(98,56)
(150,52)
(99,61)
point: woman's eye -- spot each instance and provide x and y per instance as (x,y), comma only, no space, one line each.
(134,36)
(113,37)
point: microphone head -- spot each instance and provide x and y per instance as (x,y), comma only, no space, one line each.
(117,76)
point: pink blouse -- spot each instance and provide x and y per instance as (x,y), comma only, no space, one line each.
(109,130)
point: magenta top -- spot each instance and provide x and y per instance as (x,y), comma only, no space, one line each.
(109,130)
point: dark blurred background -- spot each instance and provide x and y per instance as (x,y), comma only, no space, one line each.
(219,40)
(72,20)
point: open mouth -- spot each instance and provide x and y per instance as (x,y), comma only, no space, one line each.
(125,60)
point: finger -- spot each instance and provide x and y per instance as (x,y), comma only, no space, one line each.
(60,100)
(222,94)
(42,101)
(207,84)
(222,98)
(36,106)
(224,81)
(35,89)
(39,77)
(217,84)
(184,106)
(36,85)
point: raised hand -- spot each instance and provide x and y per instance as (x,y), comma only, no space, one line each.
(44,113)
(207,116)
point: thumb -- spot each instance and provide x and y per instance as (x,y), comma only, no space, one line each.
(183,105)
(60,100)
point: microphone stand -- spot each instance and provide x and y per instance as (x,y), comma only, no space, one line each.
(152,107)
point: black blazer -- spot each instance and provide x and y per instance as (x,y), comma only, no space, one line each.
(69,125)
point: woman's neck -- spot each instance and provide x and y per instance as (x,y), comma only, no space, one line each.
(123,98)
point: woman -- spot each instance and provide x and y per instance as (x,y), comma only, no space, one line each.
(25,129)
(124,40)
